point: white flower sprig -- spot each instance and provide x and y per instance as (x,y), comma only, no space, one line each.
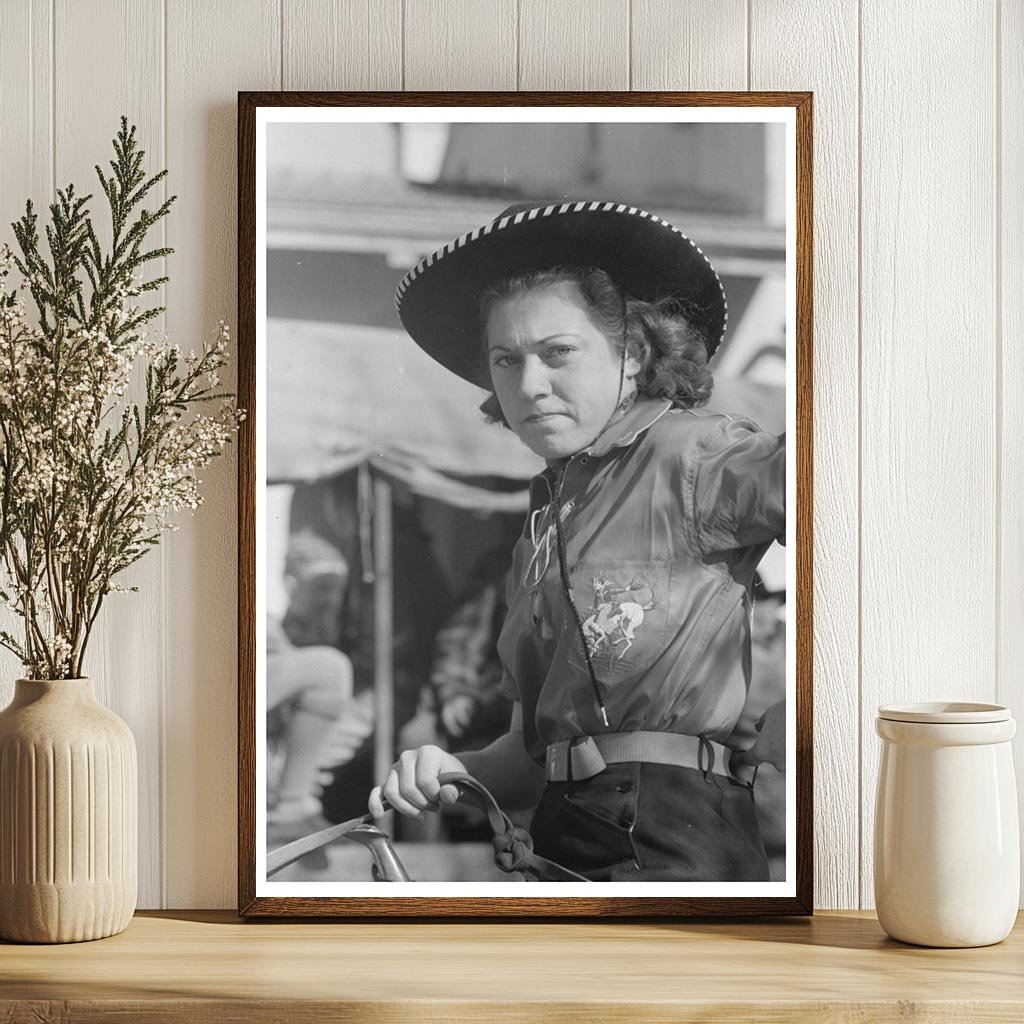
(88,478)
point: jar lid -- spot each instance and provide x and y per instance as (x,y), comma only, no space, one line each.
(945,712)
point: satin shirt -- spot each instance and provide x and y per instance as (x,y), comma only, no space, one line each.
(665,518)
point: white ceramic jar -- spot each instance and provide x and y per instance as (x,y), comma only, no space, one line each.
(947,847)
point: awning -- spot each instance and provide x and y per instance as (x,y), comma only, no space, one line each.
(339,395)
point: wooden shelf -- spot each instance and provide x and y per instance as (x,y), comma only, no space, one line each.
(210,967)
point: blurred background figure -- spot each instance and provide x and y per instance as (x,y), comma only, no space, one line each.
(466,673)
(308,683)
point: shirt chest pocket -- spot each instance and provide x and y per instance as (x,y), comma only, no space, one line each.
(625,614)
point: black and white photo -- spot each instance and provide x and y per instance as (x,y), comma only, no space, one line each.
(524,454)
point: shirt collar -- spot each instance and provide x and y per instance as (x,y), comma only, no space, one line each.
(642,416)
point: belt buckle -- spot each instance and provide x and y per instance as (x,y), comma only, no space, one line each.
(575,759)
(585,759)
(558,761)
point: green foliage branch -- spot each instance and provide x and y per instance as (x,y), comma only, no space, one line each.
(89,477)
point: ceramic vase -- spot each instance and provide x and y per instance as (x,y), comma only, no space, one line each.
(68,815)
(947,847)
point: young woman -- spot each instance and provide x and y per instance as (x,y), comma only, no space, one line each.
(626,648)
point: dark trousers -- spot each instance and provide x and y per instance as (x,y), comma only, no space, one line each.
(652,823)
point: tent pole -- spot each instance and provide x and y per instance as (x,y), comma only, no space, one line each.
(383,633)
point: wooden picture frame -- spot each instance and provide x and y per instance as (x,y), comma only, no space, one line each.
(258,895)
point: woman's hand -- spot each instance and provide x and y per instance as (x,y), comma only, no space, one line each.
(770,745)
(412,786)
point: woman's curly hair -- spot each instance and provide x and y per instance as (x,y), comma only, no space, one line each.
(672,352)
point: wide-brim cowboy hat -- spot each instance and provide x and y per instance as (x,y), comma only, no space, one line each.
(648,258)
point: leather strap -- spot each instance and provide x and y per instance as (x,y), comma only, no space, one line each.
(586,756)
(513,846)
(282,856)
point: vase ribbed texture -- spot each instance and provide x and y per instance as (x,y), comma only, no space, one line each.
(68,815)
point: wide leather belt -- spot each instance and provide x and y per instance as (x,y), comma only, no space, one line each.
(583,757)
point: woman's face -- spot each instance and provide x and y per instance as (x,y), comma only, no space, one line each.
(555,373)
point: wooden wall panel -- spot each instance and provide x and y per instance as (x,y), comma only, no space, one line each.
(26,134)
(127,667)
(919,301)
(1010,314)
(928,517)
(213,51)
(696,45)
(779,59)
(468,45)
(574,44)
(342,44)
(26,107)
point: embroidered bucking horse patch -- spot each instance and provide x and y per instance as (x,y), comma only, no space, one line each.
(617,613)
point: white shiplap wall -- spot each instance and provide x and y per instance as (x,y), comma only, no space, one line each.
(919,305)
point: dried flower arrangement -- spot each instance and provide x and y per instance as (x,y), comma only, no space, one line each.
(89,478)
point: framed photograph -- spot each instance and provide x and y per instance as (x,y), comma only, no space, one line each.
(525,504)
